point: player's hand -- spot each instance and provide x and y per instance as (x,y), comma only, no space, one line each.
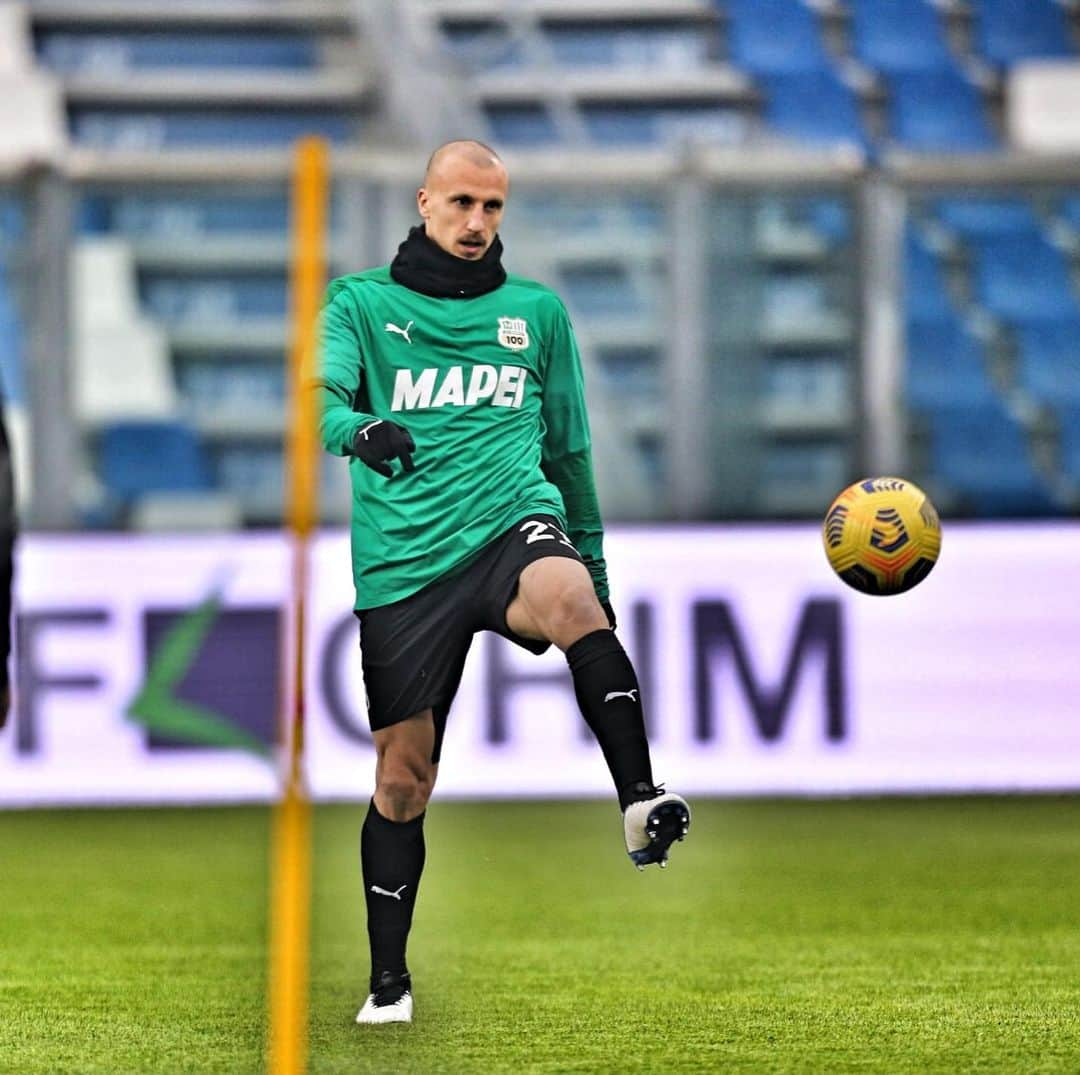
(609,612)
(379,441)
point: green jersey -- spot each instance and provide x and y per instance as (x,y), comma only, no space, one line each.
(491,390)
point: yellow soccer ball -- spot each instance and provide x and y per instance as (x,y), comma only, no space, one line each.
(882,535)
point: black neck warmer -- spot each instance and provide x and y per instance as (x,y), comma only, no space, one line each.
(424,266)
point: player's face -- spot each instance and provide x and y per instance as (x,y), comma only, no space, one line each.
(462,205)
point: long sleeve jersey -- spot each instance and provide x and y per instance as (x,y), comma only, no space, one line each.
(491,390)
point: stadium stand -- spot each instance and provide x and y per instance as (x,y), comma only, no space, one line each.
(1004,383)
(984,457)
(207,269)
(748,65)
(147,75)
(549,73)
(200,267)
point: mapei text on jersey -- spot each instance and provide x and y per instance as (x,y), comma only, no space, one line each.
(502,386)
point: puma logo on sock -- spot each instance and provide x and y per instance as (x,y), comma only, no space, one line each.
(612,695)
(396,895)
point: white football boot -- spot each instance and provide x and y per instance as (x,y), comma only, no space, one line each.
(390,1001)
(652,825)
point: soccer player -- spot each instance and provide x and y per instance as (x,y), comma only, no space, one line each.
(456,392)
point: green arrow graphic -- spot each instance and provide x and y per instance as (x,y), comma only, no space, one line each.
(156,706)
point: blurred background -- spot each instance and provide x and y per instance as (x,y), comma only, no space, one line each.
(801,242)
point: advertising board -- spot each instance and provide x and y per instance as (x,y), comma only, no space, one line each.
(760,672)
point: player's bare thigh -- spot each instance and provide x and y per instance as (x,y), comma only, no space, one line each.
(404,772)
(556,602)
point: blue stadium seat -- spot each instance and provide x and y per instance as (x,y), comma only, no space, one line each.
(983,455)
(831,219)
(937,111)
(12,363)
(1069,444)
(89,51)
(979,217)
(635,124)
(814,106)
(234,128)
(600,290)
(1023,278)
(233,387)
(626,125)
(251,472)
(1048,356)
(925,294)
(522,125)
(213,297)
(899,35)
(145,457)
(483,47)
(661,47)
(946,365)
(1012,30)
(152,213)
(12,220)
(1069,211)
(770,37)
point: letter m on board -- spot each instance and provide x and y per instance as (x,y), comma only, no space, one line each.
(717,636)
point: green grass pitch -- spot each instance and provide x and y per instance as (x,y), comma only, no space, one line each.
(787,936)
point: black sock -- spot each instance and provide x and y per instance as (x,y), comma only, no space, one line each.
(610,701)
(392,859)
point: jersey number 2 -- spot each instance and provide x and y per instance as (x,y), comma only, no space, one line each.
(539,532)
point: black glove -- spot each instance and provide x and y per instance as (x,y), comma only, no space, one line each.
(379,441)
(609,612)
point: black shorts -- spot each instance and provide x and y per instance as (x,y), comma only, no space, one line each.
(413,651)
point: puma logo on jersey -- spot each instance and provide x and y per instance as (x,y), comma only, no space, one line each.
(395,895)
(612,695)
(391,327)
(502,386)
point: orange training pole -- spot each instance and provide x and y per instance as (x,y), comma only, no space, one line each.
(291,853)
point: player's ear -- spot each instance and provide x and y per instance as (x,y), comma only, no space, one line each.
(422,203)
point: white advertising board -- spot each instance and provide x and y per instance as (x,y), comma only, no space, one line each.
(761,672)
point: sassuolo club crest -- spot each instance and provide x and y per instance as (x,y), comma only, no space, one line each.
(513,333)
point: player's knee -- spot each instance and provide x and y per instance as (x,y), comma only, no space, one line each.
(576,610)
(404,790)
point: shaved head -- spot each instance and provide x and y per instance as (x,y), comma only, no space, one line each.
(463,197)
(467,149)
